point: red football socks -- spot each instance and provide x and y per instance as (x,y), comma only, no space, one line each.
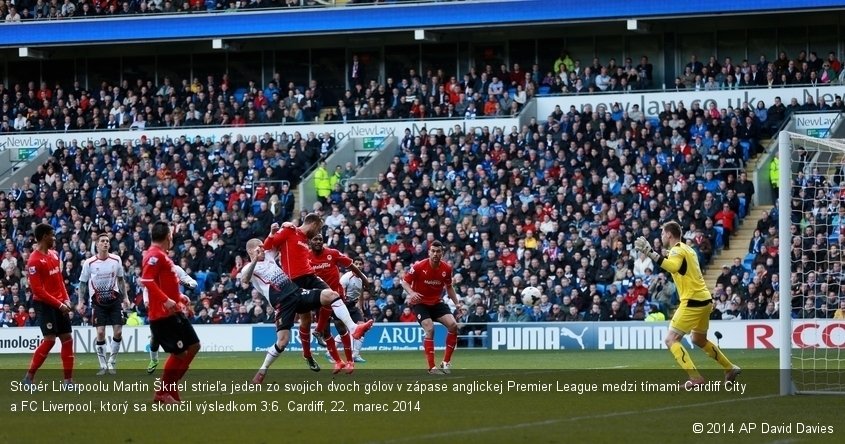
(332,347)
(187,358)
(428,346)
(346,338)
(170,375)
(323,316)
(40,356)
(67,357)
(305,338)
(451,343)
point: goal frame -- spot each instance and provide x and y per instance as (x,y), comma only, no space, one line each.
(784,265)
(785,181)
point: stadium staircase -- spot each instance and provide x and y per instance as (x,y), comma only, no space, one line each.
(740,239)
(297,203)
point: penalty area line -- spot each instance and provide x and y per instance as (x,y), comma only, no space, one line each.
(452,433)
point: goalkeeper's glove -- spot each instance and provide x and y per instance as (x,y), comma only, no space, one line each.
(643,246)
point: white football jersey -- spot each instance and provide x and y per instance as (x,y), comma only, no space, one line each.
(101,277)
(352,286)
(267,274)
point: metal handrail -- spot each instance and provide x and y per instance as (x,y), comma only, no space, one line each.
(14,164)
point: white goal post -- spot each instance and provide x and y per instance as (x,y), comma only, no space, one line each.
(811,190)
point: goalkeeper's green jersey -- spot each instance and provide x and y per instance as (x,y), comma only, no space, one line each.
(683,264)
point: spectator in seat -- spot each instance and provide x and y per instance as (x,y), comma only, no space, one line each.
(477,327)
(519,314)
(408,316)
(617,312)
(840,312)
(771,311)
(642,264)
(750,311)
(573,315)
(501,314)
(32,320)
(595,313)
(732,313)
(21,316)
(809,309)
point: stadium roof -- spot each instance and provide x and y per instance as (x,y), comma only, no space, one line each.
(325,21)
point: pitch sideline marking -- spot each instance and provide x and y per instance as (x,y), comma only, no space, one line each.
(570,419)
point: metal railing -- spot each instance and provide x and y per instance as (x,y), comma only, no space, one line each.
(11,159)
(715,171)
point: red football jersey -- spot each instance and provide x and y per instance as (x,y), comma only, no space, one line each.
(45,278)
(292,245)
(325,267)
(429,282)
(161,282)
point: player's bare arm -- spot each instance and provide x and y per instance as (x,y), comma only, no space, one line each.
(365,281)
(450,290)
(246,276)
(83,293)
(413,296)
(121,287)
(184,277)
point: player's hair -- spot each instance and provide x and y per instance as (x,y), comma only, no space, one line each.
(103,235)
(42,230)
(250,244)
(436,244)
(673,228)
(159,231)
(312,218)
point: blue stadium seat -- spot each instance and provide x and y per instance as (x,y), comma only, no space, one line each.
(512,92)
(601,288)
(239,94)
(544,90)
(720,232)
(746,150)
(748,260)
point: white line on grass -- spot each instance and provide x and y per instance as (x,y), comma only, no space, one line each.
(569,419)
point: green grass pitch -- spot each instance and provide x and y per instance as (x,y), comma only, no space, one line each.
(542,404)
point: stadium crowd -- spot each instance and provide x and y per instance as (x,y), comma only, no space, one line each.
(486,92)
(817,226)
(21,10)
(555,204)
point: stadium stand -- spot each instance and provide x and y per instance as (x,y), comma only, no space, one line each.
(69,9)
(555,204)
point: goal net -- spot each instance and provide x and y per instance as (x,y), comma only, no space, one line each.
(811,288)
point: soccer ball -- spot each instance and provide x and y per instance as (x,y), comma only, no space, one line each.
(530,295)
